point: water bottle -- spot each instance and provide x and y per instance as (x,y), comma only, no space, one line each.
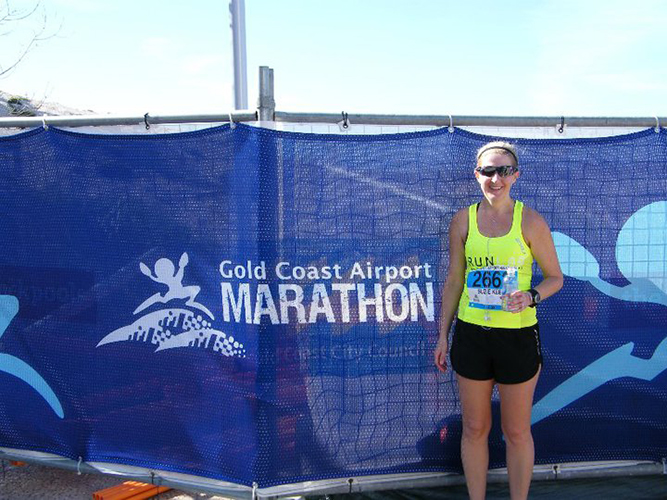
(510,284)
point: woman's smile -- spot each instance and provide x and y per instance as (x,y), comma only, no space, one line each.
(496,188)
(496,185)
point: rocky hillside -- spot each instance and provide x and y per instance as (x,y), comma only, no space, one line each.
(15,105)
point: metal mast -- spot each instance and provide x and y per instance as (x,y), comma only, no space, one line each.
(237,18)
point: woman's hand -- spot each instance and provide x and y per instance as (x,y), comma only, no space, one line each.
(441,355)
(518,301)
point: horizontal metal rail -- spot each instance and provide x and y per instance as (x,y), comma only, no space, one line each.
(332,118)
(100,120)
(473,121)
(572,470)
(177,480)
(187,482)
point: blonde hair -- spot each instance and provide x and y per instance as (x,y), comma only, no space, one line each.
(505,147)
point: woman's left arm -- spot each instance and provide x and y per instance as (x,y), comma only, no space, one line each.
(538,236)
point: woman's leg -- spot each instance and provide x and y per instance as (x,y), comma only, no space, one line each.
(516,402)
(475,398)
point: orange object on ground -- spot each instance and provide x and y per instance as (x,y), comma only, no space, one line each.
(16,463)
(130,490)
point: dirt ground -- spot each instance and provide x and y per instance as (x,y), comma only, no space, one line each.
(36,482)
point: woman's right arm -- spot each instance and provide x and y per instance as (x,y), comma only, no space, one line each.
(451,293)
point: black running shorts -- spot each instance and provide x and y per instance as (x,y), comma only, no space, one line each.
(506,355)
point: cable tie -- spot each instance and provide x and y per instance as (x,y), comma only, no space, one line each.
(78,466)
(148,125)
(232,125)
(451,125)
(44,125)
(254,491)
(657,125)
(561,127)
(344,125)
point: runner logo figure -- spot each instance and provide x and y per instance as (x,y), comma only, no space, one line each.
(174,327)
(164,274)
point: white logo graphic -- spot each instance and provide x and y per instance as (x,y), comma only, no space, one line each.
(166,275)
(174,327)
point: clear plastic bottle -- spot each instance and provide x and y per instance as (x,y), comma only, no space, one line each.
(510,284)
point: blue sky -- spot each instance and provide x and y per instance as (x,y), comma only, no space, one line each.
(510,57)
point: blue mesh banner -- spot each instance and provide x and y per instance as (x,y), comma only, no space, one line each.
(260,306)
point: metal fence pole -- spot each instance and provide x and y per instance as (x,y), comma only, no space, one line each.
(237,14)
(266,104)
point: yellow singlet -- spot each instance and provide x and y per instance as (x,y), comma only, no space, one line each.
(487,260)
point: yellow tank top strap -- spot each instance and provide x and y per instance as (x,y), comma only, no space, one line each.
(472,221)
(517,218)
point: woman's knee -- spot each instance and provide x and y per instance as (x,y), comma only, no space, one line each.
(476,428)
(517,435)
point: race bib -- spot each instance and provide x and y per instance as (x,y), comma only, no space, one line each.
(485,287)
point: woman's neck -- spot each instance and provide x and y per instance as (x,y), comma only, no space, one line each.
(498,206)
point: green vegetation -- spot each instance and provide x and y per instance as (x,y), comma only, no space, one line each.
(20,106)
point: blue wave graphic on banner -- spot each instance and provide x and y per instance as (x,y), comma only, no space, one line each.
(9,308)
(640,254)
(641,250)
(614,365)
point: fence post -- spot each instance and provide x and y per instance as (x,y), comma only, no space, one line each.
(266,104)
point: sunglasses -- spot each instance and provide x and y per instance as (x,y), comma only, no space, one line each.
(504,171)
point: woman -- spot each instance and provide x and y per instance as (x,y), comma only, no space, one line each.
(496,338)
